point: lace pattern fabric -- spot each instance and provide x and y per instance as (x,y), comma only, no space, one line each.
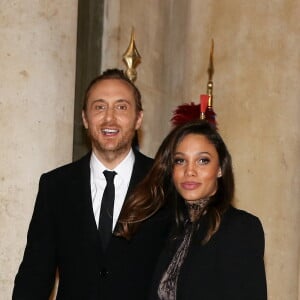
(167,288)
(168,284)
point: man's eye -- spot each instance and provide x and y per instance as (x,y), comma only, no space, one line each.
(122,107)
(100,107)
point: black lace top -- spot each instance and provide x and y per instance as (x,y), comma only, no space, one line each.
(168,284)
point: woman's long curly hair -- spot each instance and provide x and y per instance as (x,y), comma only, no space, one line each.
(157,189)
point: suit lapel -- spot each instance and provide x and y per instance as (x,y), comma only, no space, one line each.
(81,188)
(138,173)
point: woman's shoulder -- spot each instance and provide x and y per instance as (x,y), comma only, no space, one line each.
(234,215)
(244,227)
(237,222)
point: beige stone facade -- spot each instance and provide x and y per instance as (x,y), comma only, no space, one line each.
(256,98)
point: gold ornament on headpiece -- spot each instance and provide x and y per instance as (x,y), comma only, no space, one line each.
(210,72)
(207,111)
(190,111)
(131,58)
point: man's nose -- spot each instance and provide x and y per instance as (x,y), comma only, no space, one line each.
(109,113)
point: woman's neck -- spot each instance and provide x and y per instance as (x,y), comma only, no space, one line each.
(196,208)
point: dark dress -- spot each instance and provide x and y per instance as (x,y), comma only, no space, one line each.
(229,267)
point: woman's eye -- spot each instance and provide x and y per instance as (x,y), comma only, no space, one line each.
(178,161)
(204,161)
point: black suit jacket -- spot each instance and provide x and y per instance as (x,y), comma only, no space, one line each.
(63,235)
(229,267)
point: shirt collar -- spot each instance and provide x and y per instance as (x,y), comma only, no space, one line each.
(124,168)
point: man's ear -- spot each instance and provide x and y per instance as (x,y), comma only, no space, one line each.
(139,120)
(85,122)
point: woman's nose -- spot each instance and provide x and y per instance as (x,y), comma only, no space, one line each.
(190,170)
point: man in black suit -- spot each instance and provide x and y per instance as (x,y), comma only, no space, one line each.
(64,234)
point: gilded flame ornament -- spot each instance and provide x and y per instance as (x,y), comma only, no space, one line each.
(204,110)
(132,59)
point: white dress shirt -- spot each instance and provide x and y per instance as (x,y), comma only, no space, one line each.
(121,182)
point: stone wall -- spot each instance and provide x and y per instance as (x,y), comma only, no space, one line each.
(37,62)
(256,97)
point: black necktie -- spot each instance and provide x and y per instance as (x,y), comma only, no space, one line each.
(107,208)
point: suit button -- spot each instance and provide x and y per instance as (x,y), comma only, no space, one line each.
(103,272)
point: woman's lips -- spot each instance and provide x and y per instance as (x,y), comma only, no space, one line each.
(190,185)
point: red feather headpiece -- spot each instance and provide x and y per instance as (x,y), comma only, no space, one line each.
(190,112)
(185,113)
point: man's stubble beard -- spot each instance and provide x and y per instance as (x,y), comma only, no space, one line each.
(122,147)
